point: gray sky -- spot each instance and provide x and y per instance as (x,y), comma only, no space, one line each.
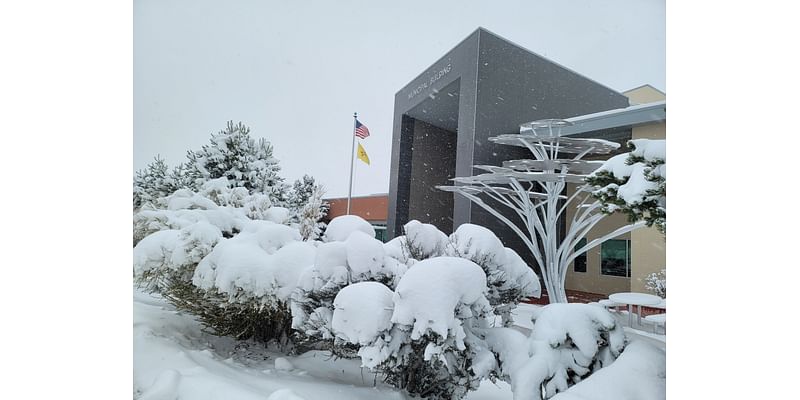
(295,71)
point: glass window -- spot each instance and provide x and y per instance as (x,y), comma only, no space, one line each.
(580,261)
(615,258)
(380,233)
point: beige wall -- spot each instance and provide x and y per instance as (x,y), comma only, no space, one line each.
(644,94)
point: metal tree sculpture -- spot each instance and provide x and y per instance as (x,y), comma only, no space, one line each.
(514,185)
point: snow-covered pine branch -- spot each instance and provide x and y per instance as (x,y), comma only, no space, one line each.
(635,183)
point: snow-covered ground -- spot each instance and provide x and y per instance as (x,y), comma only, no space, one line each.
(174,359)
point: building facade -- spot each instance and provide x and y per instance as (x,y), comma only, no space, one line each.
(487,86)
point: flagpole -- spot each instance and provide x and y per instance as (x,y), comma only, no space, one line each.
(352,158)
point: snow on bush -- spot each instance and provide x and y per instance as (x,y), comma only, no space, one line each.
(152,256)
(509,278)
(440,298)
(424,241)
(568,343)
(428,347)
(350,255)
(638,374)
(340,228)
(656,282)
(635,183)
(362,311)
(430,292)
(261,264)
(364,255)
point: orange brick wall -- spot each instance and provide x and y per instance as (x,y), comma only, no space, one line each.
(371,208)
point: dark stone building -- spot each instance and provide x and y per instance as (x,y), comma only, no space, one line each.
(485,86)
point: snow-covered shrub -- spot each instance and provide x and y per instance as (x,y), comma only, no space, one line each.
(246,282)
(310,215)
(248,163)
(445,290)
(567,344)
(657,283)
(635,183)
(420,337)
(424,241)
(223,255)
(508,277)
(155,181)
(351,254)
(340,228)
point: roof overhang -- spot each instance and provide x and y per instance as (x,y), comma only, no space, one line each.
(618,118)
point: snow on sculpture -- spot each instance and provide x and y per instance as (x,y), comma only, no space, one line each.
(533,189)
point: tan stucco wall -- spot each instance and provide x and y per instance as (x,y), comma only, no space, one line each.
(648,255)
(644,94)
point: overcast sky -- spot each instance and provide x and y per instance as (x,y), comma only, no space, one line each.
(295,71)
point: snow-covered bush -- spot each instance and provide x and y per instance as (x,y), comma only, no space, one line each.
(452,287)
(568,343)
(155,181)
(351,254)
(340,228)
(310,215)
(248,163)
(420,337)
(657,283)
(223,255)
(251,276)
(635,183)
(509,278)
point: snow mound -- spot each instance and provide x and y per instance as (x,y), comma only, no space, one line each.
(478,244)
(638,374)
(557,323)
(331,259)
(196,241)
(394,249)
(271,236)
(278,215)
(342,226)
(362,311)
(164,387)
(282,364)
(425,239)
(242,265)
(284,394)
(429,294)
(364,254)
(519,273)
(155,250)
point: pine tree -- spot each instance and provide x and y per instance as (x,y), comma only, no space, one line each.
(244,161)
(151,183)
(639,187)
(310,215)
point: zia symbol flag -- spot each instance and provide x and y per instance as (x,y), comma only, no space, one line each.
(362,154)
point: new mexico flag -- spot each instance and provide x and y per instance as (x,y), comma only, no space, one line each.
(362,154)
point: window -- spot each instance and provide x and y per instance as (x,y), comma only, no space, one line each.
(380,233)
(615,258)
(580,261)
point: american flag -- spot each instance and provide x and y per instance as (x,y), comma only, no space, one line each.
(361,130)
